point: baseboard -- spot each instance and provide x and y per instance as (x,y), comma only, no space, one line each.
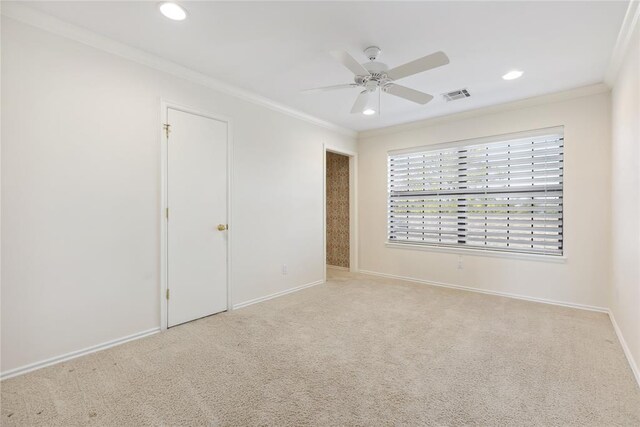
(276,295)
(74,354)
(625,348)
(337,267)
(484,291)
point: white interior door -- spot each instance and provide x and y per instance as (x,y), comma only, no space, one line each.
(197,201)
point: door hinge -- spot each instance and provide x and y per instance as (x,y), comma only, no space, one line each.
(167,129)
(167,213)
(167,293)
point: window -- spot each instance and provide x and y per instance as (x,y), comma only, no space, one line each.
(500,194)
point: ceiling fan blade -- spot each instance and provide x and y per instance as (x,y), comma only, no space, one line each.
(409,94)
(361,102)
(428,62)
(350,62)
(329,88)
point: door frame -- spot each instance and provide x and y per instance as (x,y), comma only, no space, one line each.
(164,224)
(353,206)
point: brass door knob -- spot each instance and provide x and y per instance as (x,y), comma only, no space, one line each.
(222,227)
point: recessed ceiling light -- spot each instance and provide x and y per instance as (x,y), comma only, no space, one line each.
(512,75)
(369,112)
(173,11)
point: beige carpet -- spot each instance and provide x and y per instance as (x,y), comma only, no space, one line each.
(355,351)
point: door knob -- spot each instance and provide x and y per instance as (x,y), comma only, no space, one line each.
(222,227)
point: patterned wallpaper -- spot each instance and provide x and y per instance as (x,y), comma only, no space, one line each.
(337,210)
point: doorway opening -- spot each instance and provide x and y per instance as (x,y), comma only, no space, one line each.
(339,208)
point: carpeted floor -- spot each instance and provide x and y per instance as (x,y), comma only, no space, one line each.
(355,351)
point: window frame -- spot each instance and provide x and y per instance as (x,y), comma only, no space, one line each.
(462,249)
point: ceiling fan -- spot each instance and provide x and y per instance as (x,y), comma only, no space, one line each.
(375,77)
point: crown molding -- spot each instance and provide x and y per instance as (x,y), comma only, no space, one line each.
(483,111)
(629,25)
(64,29)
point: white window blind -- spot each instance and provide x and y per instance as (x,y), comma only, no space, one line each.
(504,195)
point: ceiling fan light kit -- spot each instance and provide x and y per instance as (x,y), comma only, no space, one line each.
(374,76)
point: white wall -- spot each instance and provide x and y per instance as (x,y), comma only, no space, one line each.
(582,278)
(625,200)
(81,194)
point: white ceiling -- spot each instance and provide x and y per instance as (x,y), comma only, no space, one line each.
(275,49)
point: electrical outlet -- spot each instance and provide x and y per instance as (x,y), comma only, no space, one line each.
(460,265)
(284,269)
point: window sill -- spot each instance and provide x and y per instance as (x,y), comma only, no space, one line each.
(479,252)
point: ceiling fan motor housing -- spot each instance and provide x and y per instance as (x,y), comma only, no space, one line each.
(377,77)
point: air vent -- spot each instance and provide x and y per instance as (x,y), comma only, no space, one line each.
(456,94)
